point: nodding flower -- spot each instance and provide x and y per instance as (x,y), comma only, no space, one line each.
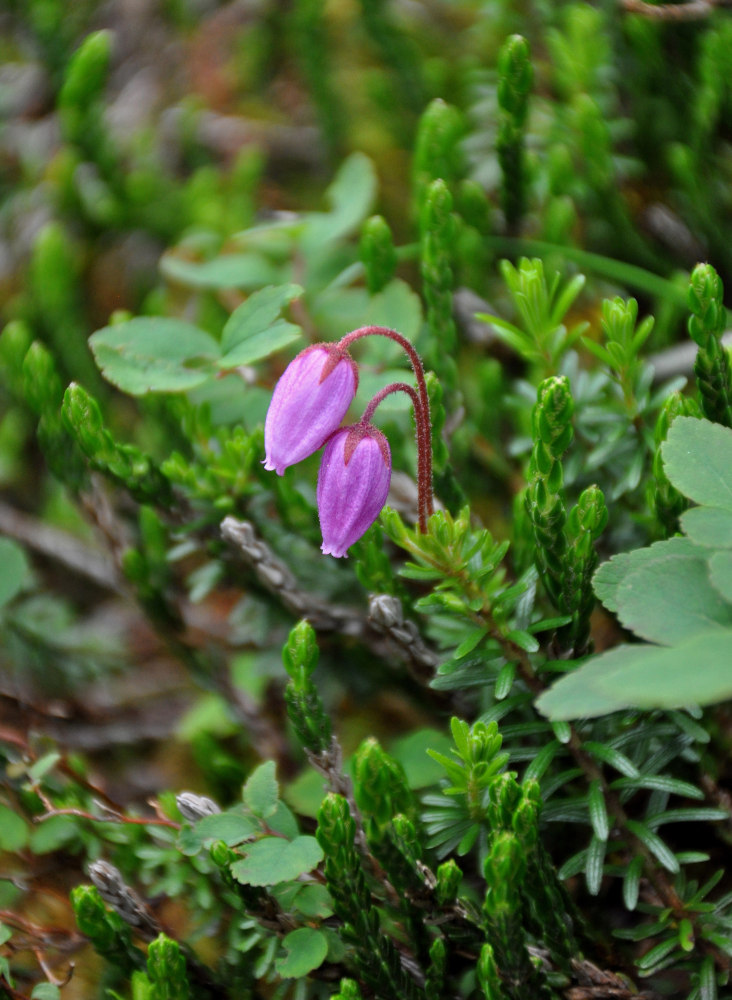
(353,483)
(308,403)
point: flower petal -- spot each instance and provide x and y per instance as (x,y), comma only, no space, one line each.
(305,407)
(352,492)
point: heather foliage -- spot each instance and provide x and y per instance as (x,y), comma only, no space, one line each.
(437,289)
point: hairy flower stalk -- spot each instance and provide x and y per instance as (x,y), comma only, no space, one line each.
(308,404)
(421,414)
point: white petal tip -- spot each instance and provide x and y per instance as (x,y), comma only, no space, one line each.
(329,552)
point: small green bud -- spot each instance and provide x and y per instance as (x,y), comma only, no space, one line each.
(504,795)
(336,828)
(437,147)
(166,969)
(525,823)
(449,878)
(83,418)
(589,515)
(377,253)
(407,839)
(488,975)
(300,653)
(515,77)
(706,304)
(222,855)
(87,71)
(41,383)
(348,990)
(504,869)
(553,413)
(380,785)
(15,340)
(435,972)
(89,911)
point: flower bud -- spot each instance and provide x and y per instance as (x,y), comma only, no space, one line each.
(308,404)
(353,483)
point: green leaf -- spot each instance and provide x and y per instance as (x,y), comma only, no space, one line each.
(261,791)
(272,860)
(253,331)
(598,811)
(656,955)
(670,598)
(351,196)
(412,753)
(660,783)
(261,345)
(44,764)
(231,827)
(257,314)
(154,354)
(608,578)
(314,901)
(45,991)
(608,755)
(631,882)
(594,864)
(52,834)
(708,526)
(306,949)
(708,980)
(15,571)
(655,845)
(470,641)
(13,830)
(247,271)
(720,574)
(697,458)
(523,640)
(645,677)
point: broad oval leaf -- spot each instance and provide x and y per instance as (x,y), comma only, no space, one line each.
(720,573)
(667,600)
(233,828)
(608,578)
(696,672)
(253,331)
(272,860)
(708,526)
(306,949)
(235,270)
(261,791)
(154,354)
(697,457)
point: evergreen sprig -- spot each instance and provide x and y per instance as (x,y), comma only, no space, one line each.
(712,364)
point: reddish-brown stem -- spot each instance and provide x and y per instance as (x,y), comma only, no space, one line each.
(422,513)
(112,818)
(387,391)
(421,413)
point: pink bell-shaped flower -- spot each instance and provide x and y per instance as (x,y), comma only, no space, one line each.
(308,404)
(353,483)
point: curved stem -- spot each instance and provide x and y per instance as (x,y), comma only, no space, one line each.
(421,413)
(422,514)
(387,391)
